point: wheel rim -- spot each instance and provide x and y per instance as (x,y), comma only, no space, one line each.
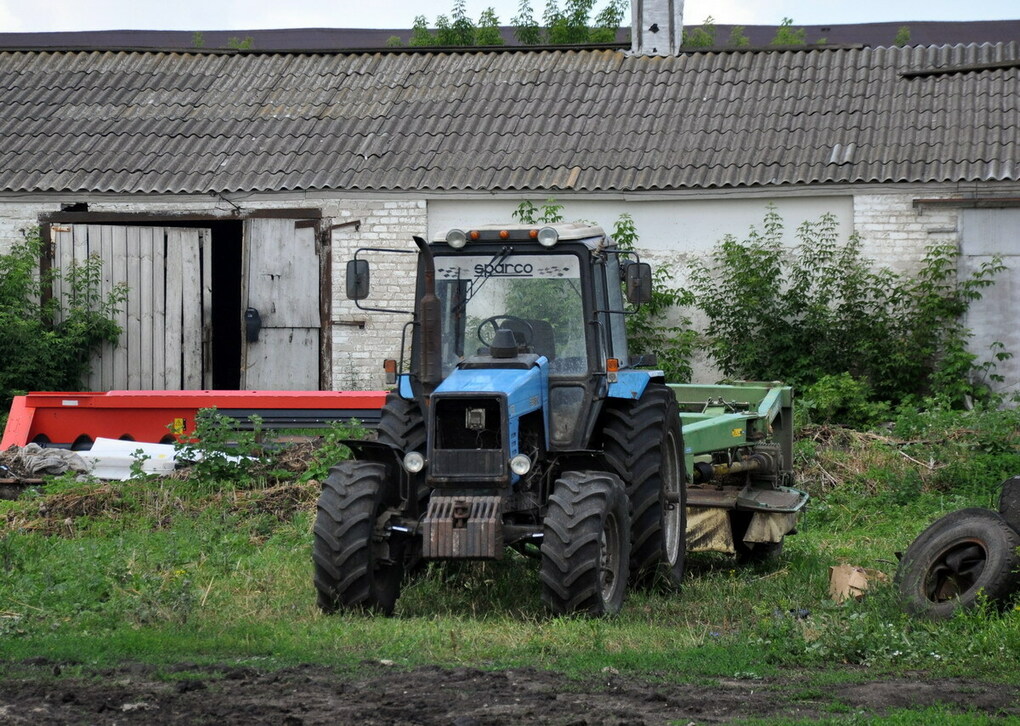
(609,558)
(955,571)
(672,513)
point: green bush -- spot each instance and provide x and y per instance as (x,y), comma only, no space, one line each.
(660,327)
(220,451)
(823,309)
(48,341)
(840,399)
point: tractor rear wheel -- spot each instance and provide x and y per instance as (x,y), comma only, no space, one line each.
(963,556)
(586,544)
(401,424)
(643,442)
(354,568)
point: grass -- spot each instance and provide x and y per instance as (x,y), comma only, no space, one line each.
(938,714)
(163,571)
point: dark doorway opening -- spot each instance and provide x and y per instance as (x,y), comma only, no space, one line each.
(225,345)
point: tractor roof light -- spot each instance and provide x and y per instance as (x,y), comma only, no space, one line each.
(548,236)
(456,238)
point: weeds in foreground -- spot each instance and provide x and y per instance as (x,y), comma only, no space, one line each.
(163,570)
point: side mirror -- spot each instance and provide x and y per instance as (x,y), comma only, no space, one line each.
(357,279)
(638,279)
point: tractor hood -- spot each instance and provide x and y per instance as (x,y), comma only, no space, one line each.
(526,385)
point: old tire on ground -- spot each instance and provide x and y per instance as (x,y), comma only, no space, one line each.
(960,558)
(586,544)
(351,572)
(760,553)
(643,443)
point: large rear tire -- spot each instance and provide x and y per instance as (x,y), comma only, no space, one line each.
(354,569)
(643,443)
(960,558)
(401,424)
(586,544)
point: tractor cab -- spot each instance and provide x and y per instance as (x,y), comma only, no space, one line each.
(521,297)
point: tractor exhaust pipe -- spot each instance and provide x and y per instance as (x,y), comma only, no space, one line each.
(430,365)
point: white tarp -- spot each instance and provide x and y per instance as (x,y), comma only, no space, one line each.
(113,458)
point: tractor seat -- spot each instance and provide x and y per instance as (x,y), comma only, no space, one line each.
(543,339)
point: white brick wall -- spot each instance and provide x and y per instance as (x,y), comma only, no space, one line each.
(894,233)
(363,339)
(15,217)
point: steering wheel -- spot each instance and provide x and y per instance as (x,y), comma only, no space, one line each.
(522,330)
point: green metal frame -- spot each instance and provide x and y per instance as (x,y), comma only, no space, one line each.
(729,416)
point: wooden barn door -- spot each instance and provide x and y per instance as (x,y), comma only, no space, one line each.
(280,301)
(165,321)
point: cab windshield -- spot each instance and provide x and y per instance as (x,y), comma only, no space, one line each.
(537,297)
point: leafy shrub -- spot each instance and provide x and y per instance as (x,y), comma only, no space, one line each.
(48,341)
(333,449)
(840,399)
(822,309)
(659,326)
(220,451)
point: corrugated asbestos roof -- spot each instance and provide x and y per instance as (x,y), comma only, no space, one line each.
(586,120)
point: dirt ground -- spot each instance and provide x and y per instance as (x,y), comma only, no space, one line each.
(378,694)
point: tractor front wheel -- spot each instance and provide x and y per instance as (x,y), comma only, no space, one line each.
(586,544)
(356,568)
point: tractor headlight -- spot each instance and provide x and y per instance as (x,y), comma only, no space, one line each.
(548,236)
(456,238)
(413,462)
(520,465)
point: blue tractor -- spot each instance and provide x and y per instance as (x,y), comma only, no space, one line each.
(523,421)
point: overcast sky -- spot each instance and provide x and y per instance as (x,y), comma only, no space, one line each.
(41,15)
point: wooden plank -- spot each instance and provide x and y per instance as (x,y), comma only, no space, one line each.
(105,244)
(296,370)
(174,293)
(284,273)
(81,234)
(205,243)
(81,251)
(119,262)
(63,255)
(159,339)
(145,307)
(246,242)
(191,318)
(132,339)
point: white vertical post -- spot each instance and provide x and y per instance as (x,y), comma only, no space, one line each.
(656,27)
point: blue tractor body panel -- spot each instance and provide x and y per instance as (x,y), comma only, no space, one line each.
(525,390)
(631,384)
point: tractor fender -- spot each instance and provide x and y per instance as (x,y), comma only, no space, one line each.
(377,451)
(632,384)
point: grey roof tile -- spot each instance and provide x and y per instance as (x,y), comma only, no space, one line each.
(169,122)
